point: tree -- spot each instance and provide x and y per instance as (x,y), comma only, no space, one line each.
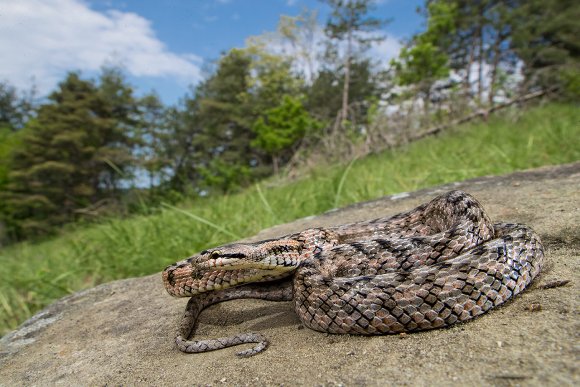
(15,109)
(421,65)
(424,60)
(215,124)
(223,116)
(545,37)
(464,44)
(471,39)
(281,127)
(501,18)
(182,147)
(120,133)
(153,133)
(301,33)
(68,155)
(271,76)
(350,24)
(491,38)
(324,97)
(10,141)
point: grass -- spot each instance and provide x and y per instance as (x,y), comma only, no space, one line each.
(34,275)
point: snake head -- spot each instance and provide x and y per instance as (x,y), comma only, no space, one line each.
(232,265)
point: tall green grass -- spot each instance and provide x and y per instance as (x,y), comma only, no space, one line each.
(33,275)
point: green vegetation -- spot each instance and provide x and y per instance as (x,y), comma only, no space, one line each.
(350,24)
(282,127)
(66,155)
(424,62)
(33,275)
(286,98)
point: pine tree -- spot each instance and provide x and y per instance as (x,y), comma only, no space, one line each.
(545,37)
(119,133)
(15,108)
(68,156)
(154,134)
(183,146)
(351,24)
(215,129)
(324,97)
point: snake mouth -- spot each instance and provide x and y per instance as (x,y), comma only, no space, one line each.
(232,265)
(187,281)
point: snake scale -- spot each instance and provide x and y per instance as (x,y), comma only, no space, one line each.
(441,263)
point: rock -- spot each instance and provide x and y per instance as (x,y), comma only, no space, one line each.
(122,333)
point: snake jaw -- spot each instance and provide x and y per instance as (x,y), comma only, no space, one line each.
(221,263)
(230,266)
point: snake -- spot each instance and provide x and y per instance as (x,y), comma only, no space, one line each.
(441,263)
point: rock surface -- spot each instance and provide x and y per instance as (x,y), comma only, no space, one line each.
(121,333)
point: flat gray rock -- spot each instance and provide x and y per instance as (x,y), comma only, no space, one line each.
(122,333)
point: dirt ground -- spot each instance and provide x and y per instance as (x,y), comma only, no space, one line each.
(122,333)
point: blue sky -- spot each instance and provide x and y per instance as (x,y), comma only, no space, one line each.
(161,44)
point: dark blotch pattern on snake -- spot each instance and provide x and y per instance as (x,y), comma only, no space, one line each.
(441,263)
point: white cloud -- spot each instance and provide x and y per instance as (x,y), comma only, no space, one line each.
(43,39)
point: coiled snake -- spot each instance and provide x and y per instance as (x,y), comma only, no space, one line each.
(440,263)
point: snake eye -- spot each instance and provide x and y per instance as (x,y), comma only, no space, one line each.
(215,254)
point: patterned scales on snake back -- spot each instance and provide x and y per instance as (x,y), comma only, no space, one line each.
(440,263)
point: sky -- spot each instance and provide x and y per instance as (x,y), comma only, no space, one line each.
(162,45)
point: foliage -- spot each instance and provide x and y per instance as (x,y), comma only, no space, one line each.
(421,65)
(424,61)
(70,155)
(282,127)
(15,109)
(545,37)
(153,135)
(272,76)
(223,119)
(324,98)
(301,34)
(350,23)
(220,153)
(491,38)
(9,141)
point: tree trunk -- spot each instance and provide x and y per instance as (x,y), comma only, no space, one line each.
(344,110)
(466,83)
(495,64)
(275,166)
(481,57)
(427,103)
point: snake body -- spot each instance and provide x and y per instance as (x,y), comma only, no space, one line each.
(440,263)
